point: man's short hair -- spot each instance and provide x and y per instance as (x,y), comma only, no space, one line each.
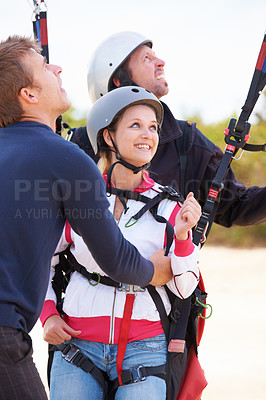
(14,76)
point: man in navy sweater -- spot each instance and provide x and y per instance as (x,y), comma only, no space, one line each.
(46,180)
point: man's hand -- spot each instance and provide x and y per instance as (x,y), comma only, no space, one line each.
(56,331)
(187,217)
(162,268)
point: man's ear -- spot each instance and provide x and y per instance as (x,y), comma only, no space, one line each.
(116,81)
(28,95)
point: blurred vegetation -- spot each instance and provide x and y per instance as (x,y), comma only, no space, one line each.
(249,170)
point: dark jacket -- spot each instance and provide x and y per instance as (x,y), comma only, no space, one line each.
(238,205)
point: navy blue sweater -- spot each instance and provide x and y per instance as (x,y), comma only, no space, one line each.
(44,181)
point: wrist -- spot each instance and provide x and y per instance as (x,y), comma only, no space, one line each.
(181,236)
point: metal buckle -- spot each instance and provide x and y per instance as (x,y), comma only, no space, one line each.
(131,289)
(137,374)
(132,376)
(71,353)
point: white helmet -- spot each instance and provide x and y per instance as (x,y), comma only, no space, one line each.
(105,109)
(108,57)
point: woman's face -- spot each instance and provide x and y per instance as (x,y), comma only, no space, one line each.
(136,135)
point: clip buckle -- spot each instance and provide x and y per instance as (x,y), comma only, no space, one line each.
(70,354)
(131,289)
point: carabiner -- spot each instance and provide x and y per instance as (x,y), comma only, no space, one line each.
(96,283)
(206,306)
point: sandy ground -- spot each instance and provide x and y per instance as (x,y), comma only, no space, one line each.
(233,348)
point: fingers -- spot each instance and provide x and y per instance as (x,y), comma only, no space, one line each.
(190,210)
(57,331)
(187,217)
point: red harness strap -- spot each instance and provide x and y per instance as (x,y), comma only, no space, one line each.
(123,335)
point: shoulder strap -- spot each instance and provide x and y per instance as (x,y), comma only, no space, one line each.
(151,204)
(161,309)
(183,145)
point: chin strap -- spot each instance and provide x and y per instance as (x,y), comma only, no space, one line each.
(126,164)
(109,182)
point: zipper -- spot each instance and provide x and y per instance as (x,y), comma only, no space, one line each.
(111,336)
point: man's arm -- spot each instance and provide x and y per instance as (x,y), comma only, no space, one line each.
(86,208)
(238,205)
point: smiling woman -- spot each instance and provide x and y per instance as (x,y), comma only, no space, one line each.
(118,319)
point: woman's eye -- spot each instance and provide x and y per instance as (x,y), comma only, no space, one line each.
(135,125)
(153,128)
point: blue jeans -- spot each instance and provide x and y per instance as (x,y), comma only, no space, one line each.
(71,382)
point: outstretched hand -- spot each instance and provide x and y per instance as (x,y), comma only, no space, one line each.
(56,330)
(187,217)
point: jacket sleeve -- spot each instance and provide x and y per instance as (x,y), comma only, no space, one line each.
(238,205)
(185,266)
(184,262)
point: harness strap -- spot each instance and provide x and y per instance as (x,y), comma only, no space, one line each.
(256,87)
(137,374)
(40,27)
(75,356)
(151,204)
(105,280)
(255,147)
(123,336)
(183,145)
(161,309)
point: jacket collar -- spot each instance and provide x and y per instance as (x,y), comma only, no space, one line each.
(170,128)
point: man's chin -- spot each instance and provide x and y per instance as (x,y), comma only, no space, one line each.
(66,106)
(162,91)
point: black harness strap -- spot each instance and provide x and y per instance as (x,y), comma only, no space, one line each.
(183,146)
(75,356)
(255,147)
(161,309)
(151,204)
(137,374)
(105,280)
(256,87)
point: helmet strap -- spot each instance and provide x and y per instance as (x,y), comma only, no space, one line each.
(126,164)
(132,167)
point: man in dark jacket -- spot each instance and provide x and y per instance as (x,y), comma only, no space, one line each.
(127,58)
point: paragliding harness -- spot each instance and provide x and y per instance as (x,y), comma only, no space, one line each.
(180,327)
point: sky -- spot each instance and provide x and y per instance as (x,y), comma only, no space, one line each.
(210,47)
